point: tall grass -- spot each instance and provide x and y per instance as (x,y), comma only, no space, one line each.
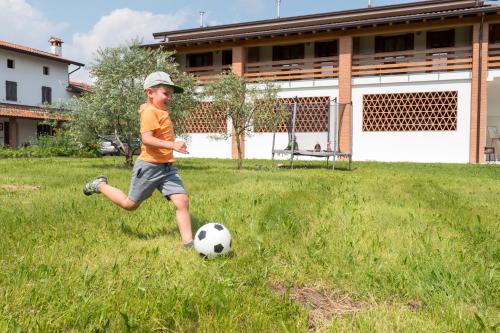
(385,235)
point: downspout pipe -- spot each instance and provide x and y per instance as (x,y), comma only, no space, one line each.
(74,71)
(479,88)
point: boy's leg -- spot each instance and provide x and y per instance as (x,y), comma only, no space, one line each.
(118,197)
(181,203)
(100,185)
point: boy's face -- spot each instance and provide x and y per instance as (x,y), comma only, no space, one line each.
(160,96)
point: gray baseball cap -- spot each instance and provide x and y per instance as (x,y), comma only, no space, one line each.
(157,78)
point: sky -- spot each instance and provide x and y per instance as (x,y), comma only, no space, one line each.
(85,26)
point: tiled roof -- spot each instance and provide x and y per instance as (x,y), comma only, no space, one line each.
(30,112)
(37,53)
(80,86)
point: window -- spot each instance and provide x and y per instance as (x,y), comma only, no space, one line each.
(11,91)
(288,52)
(6,133)
(227,57)
(495,33)
(200,59)
(10,63)
(394,43)
(440,39)
(47,95)
(46,70)
(326,49)
(253,54)
(44,129)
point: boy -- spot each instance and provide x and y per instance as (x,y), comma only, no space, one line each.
(154,167)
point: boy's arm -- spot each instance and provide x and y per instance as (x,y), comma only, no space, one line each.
(149,140)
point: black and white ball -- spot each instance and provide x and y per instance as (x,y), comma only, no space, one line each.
(212,239)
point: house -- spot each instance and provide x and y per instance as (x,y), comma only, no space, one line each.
(415,82)
(31,78)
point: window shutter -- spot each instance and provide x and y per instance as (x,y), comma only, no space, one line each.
(11,90)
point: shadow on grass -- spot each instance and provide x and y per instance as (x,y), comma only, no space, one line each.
(180,165)
(145,235)
(340,167)
(196,223)
(116,166)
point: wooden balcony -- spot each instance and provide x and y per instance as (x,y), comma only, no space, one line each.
(407,62)
(308,68)
(494,56)
(207,73)
(388,63)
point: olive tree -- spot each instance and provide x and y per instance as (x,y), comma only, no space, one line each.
(249,106)
(111,108)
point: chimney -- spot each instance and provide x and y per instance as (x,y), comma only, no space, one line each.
(202,23)
(370,4)
(56,46)
(278,5)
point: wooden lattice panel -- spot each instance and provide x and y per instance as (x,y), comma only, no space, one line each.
(424,111)
(202,121)
(311,116)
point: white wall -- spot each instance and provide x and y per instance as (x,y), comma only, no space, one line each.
(205,145)
(26,131)
(28,73)
(430,146)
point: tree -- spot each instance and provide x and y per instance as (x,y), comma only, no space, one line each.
(111,108)
(249,106)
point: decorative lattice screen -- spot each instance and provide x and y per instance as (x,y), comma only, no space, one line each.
(201,121)
(312,115)
(425,111)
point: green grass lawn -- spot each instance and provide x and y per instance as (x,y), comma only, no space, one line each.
(385,247)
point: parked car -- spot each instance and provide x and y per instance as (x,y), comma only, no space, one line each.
(108,148)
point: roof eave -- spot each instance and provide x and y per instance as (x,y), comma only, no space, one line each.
(334,26)
(54,58)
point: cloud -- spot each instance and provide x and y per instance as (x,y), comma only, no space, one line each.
(23,24)
(117,28)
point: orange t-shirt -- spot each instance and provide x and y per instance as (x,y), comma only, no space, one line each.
(158,121)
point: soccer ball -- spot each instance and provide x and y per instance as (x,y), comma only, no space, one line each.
(212,239)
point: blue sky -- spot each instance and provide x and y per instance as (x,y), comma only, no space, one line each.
(88,25)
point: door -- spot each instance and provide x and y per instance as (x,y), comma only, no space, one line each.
(6,132)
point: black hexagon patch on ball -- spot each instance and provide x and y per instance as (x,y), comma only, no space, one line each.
(202,234)
(218,248)
(219,227)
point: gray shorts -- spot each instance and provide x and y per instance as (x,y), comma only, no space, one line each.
(146,177)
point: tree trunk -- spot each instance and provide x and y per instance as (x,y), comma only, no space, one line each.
(238,147)
(129,157)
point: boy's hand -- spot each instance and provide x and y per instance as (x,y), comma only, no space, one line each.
(181,147)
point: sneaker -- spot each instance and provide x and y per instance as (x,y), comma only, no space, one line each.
(93,186)
(188,245)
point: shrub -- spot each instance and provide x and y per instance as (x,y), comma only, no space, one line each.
(61,144)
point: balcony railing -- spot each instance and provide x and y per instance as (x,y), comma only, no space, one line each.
(494,56)
(207,73)
(388,63)
(425,61)
(308,68)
